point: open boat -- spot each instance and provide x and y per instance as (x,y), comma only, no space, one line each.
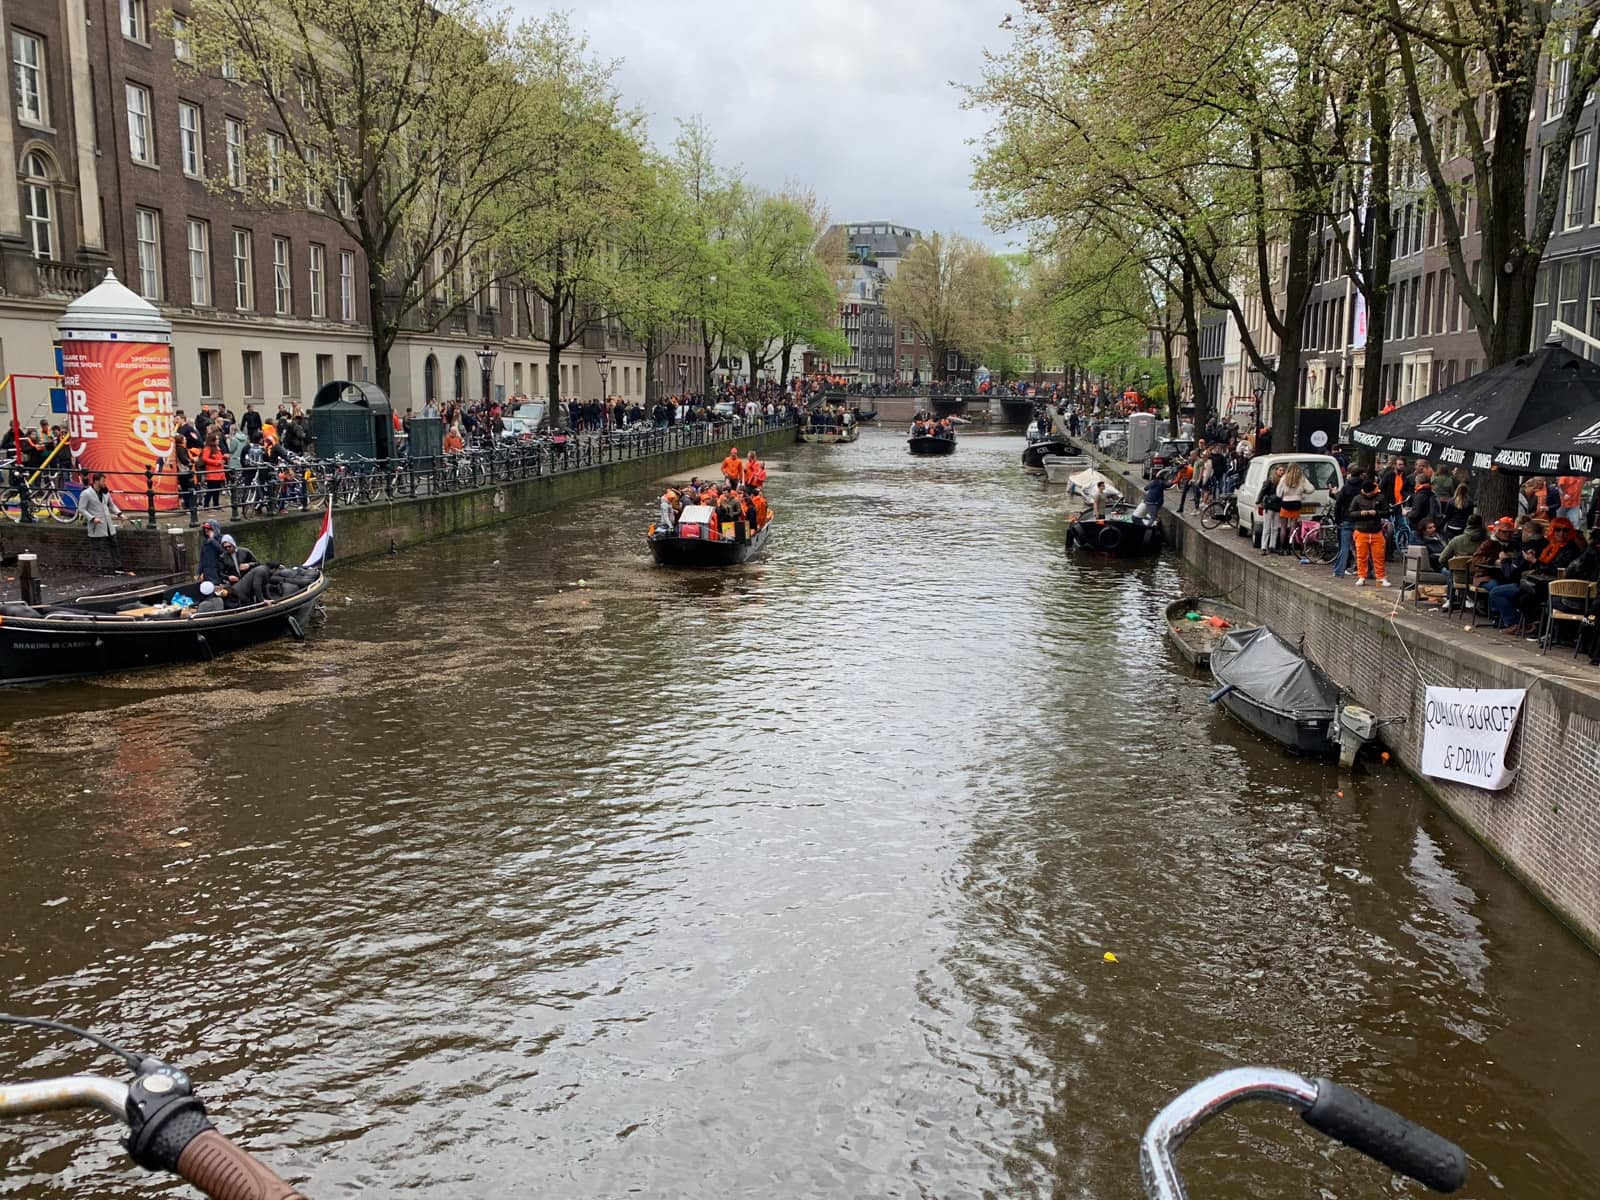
(829,435)
(120,631)
(1060,468)
(927,444)
(1033,455)
(700,539)
(1195,624)
(1120,536)
(1274,689)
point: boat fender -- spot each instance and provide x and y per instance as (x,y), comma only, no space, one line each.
(200,643)
(1109,538)
(296,629)
(100,657)
(1219,693)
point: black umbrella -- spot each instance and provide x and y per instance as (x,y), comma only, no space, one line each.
(1568,446)
(1468,422)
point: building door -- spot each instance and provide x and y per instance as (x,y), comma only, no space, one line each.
(461,379)
(430,380)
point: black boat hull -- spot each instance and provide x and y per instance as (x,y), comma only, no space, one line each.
(927,447)
(1310,737)
(35,649)
(1118,537)
(1033,454)
(695,553)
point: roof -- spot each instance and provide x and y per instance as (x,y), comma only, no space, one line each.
(882,239)
(697,514)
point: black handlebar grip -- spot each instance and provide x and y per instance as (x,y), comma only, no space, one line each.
(1380,1133)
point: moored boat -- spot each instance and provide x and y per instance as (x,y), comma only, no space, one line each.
(1273,688)
(1034,453)
(99,634)
(1196,624)
(928,444)
(1060,468)
(699,539)
(1120,536)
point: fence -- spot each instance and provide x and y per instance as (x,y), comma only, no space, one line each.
(303,483)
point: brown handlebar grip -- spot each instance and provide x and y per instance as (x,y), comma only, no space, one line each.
(224,1171)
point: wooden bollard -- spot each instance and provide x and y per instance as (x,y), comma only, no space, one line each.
(28,586)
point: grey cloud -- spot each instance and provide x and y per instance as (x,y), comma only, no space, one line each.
(852,98)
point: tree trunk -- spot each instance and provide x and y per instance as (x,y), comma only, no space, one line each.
(1167,334)
(1296,294)
(783,366)
(651,352)
(705,339)
(381,328)
(1191,333)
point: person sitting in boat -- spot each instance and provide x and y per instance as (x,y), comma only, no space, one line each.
(758,502)
(732,467)
(947,428)
(235,561)
(1155,496)
(671,506)
(729,507)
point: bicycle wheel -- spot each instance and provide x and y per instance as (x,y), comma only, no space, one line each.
(11,504)
(1214,514)
(1327,542)
(62,506)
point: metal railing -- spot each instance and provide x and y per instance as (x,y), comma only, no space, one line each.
(299,484)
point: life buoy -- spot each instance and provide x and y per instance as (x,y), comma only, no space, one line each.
(1109,538)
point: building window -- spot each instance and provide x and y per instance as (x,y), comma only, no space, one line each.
(244,285)
(210,371)
(324,369)
(182,45)
(282,292)
(313,179)
(235,135)
(353,370)
(1577,178)
(251,361)
(289,367)
(27,55)
(141,148)
(191,149)
(199,262)
(147,224)
(318,260)
(135,20)
(38,204)
(275,165)
(342,187)
(1571,292)
(347,285)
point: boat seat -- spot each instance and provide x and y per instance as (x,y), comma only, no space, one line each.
(17,608)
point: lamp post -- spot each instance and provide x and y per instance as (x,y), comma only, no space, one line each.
(683,379)
(603,365)
(486,357)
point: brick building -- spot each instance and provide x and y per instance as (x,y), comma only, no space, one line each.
(128,160)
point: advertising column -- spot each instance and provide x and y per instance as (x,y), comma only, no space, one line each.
(115,351)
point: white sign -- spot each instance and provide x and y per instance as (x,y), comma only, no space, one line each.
(1466,732)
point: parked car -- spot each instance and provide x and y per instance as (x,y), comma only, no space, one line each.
(1321,469)
(525,419)
(1167,452)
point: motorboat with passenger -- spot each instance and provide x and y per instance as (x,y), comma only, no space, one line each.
(700,538)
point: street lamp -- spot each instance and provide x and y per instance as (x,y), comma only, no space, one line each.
(487,357)
(683,377)
(603,365)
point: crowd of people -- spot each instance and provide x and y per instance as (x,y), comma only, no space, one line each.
(738,499)
(927,424)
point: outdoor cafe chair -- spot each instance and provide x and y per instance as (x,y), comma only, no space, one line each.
(1569,600)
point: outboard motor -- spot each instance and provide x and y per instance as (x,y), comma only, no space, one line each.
(1357,727)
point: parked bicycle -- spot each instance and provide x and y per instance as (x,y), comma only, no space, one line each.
(1314,540)
(168,1129)
(1220,512)
(49,496)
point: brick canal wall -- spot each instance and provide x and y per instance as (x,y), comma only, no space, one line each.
(378,528)
(1545,827)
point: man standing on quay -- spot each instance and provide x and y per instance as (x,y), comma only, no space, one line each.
(100,513)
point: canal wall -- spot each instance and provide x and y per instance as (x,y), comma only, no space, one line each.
(382,526)
(1545,827)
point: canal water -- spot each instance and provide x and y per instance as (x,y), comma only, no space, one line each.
(543,872)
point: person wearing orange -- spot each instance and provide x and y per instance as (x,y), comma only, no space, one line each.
(732,468)
(454,443)
(215,463)
(759,503)
(755,472)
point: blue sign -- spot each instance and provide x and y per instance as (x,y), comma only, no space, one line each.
(58,399)
(60,363)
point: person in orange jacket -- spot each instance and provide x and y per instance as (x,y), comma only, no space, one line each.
(759,503)
(732,468)
(755,472)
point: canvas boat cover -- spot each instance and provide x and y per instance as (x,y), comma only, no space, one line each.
(1084,481)
(1260,664)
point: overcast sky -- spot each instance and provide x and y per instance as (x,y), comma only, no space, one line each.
(851,97)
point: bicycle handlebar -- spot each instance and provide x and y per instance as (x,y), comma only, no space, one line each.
(1347,1116)
(167,1125)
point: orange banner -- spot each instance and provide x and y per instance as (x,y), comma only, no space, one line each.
(120,414)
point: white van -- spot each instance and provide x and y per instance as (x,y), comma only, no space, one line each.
(1321,470)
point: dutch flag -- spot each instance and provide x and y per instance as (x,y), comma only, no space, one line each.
(322,552)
